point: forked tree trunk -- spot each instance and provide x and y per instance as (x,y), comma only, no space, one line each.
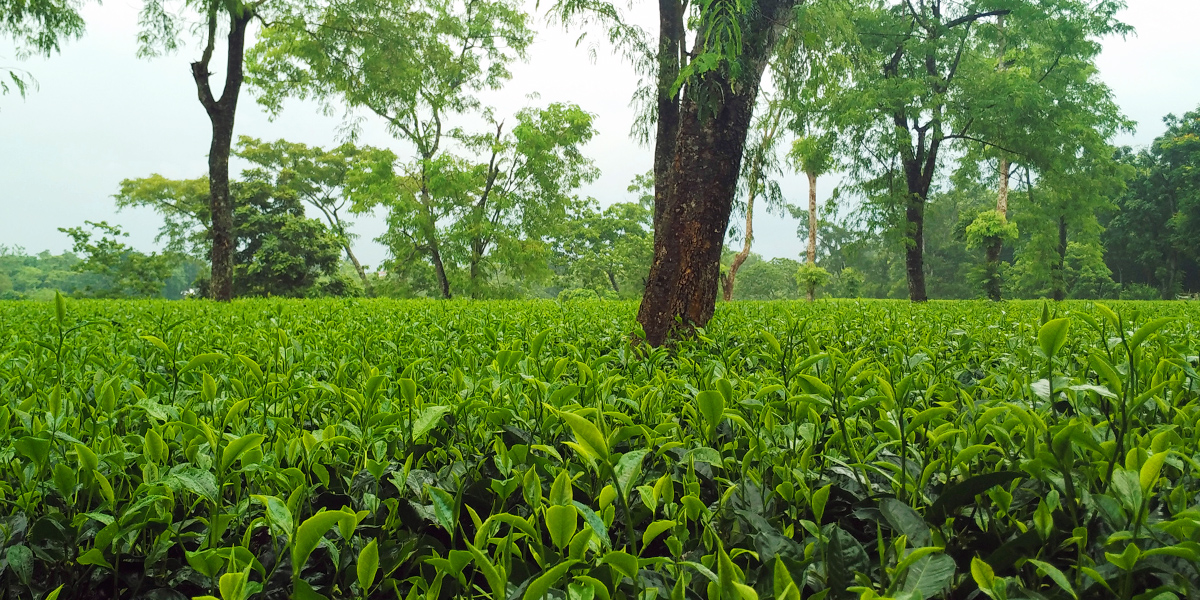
(694,190)
(919,165)
(221,114)
(993,250)
(670,53)
(687,245)
(812,228)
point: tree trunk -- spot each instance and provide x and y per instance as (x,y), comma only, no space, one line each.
(741,256)
(812,229)
(362,273)
(687,245)
(221,115)
(612,280)
(914,251)
(439,267)
(812,218)
(695,199)
(1059,274)
(992,274)
(670,53)
(684,275)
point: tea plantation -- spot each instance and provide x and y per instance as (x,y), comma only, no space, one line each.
(525,450)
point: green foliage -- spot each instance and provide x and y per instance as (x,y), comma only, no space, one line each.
(183,205)
(275,448)
(848,283)
(568,295)
(280,252)
(35,28)
(760,279)
(812,276)
(608,251)
(988,227)
(123,271)
(1150,240)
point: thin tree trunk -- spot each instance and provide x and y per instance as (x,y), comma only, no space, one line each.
(993,250)
(362,273)
(429,229)
(812,228)
(741,256)
(1060,270)
(612,280)
(221,114)
(753,180)
(439,267)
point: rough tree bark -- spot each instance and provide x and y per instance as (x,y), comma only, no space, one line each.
(670,54)
(694,195)
(812,228)
(914,216)
(992,252)
(221,113)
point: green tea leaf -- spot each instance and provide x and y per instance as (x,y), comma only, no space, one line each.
(561,522)
(1053,336)
(368,565)
(309,536)
(1146,330)
(1056,575)
(238,447)
(586,433)
(628,468)
(538,587)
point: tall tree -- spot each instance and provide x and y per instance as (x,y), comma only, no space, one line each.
(758,170)
(346,179)
(1062,219)
(813,155)
(417,64)
(280,252)
(526,190)
(161,29)
(35,28)
(925,73)
(704,100)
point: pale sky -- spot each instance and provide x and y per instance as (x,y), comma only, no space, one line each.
(100,115)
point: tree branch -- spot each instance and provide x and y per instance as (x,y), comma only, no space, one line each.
(976,17)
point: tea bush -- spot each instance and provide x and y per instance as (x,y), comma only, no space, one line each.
(522,450)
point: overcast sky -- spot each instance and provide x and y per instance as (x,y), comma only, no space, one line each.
(100,115)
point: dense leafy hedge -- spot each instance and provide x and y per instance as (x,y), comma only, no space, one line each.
(274,449)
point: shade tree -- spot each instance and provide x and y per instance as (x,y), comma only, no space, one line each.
(164,24)
(338,183)
(926,80)
(416,64)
